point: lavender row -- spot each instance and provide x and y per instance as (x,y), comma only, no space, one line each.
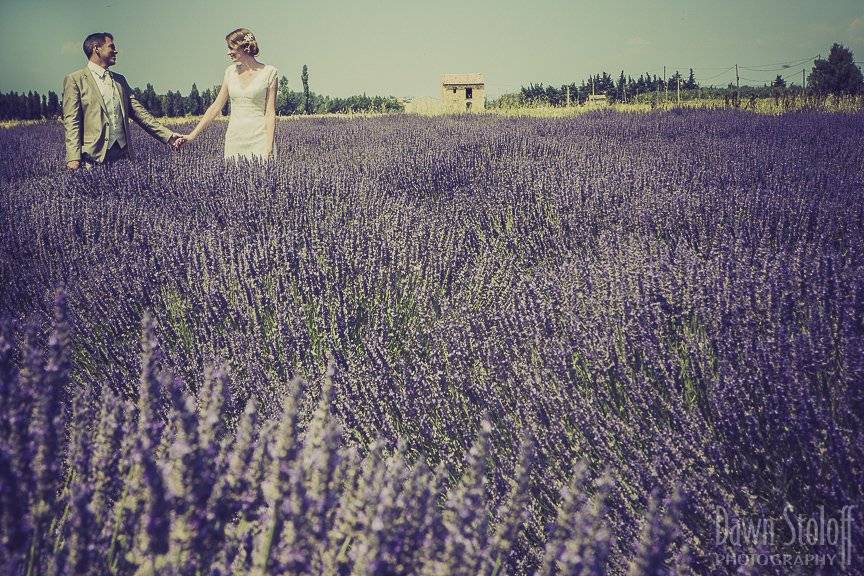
(176,483)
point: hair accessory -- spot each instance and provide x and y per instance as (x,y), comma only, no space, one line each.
(249,37)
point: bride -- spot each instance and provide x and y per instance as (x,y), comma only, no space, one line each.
(251,86)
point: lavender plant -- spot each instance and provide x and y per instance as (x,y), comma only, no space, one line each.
(475,345)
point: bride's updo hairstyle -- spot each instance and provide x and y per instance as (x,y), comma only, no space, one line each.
(244,39)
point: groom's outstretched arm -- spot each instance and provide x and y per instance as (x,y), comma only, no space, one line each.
(72,119)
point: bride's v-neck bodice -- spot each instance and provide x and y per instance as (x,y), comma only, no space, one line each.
(249,93)
(246,135)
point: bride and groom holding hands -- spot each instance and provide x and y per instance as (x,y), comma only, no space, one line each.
(97,105)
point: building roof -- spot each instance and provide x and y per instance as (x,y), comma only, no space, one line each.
(474,78)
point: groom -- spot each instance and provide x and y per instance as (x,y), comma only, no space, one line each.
(97,105)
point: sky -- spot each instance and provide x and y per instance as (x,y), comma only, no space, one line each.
(401,48)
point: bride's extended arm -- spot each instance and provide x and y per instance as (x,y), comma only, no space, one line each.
(270,117)
(214,110)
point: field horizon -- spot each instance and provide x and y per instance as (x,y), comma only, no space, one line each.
(770,106)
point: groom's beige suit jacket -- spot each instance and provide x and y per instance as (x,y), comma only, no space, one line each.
(85,116)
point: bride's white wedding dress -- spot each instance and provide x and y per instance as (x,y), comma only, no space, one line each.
(246,136)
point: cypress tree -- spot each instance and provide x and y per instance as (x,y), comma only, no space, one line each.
(206,99)
(304,78)
(150,100)
(690,83)
(194,103)
(53,104)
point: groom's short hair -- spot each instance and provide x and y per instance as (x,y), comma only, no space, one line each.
(95,40)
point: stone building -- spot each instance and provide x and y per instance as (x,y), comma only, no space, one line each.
(463,92)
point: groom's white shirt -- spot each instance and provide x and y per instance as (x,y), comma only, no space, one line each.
(111,96)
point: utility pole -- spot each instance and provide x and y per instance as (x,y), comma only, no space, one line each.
(803,86)
(665,86)
(737,87)
(568,96)
(678,95)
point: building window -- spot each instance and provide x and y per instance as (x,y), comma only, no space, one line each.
(469,93)
(454,90)
(468,106)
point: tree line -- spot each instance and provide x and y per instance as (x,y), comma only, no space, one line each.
(33,106)
(625,88)
(838,75)
(29,106)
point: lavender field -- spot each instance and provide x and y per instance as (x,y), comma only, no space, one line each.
(455,345)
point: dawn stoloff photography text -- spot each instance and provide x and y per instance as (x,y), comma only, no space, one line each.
(469,288)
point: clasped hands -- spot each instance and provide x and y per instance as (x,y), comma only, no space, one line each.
(177,141)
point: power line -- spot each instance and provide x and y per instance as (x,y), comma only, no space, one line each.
(778,66)
(679,68)
(717,75)
(790,67)
(758,68)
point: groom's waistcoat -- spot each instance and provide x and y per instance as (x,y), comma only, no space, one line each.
(88,119)
(111,96)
